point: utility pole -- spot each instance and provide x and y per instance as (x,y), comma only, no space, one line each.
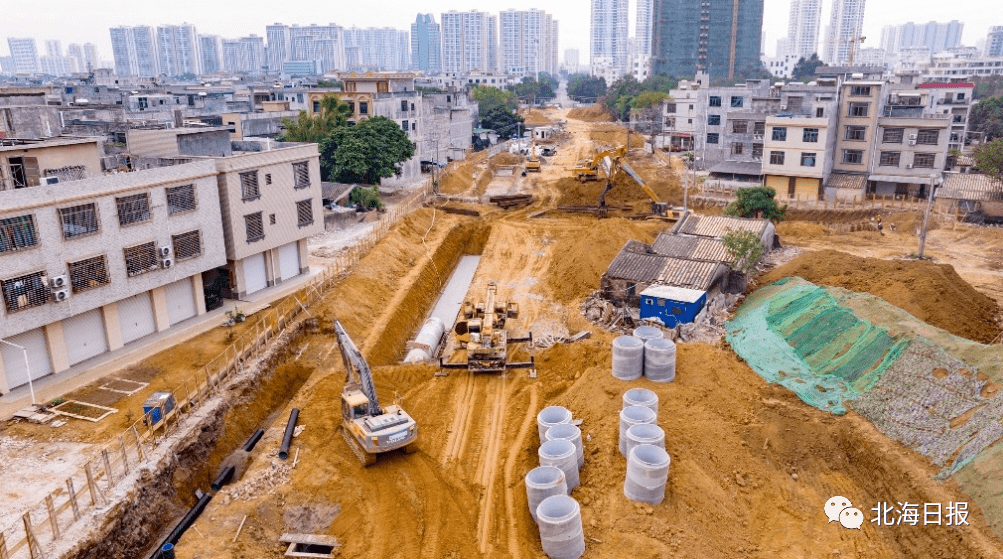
(926,215)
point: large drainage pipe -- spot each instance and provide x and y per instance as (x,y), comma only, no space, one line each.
(628,358)
(560,520)
(183,526)
(550,416)
(568,432)
(543,482)
(561,454)
(630,416)
(426,343)
(647,474)
(223,479)
(249,445)
(287,438)
(641,397)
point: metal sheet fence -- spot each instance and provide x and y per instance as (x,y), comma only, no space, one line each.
(92,486)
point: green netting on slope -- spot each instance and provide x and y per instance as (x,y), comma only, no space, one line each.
(795,334)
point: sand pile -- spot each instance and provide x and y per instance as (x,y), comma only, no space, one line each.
(506,158)
(532,117)
(592,113)
(625,191)
(615,136)
(934,293)
(457,178)
(800,229)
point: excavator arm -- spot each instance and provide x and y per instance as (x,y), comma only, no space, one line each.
(616,166)
(356,366)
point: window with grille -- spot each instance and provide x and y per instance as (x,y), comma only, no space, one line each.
(670,108)
(859,109)
(928,137)
(923,160)
(363,107)
(757,150)
(713,120)
(254,226)
(856,133)
(740,126)
(890,159)
(759,128)
(861,90)
(404,105)
(776,158)
(24,292)
(779,134)
(892,135)
(181,199)
(301,173)
(807,159)
(140,259)
(17,233)
(187,245)
(713,138)
(737,148)
(715,101)
(737,102)
(88,274)
(249,186)
(304,212)
(133,209)
(79,221)
(853,156)
(810,135)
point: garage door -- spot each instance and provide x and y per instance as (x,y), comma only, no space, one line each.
(806,188)
(135,315)
(779,184)
(254,273)
(289,260)
(84,336)
(180,301)
(38,357)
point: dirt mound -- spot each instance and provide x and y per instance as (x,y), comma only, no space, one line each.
(506,158)
(592,113)
(615,136)
(800,229)
(457,178)
(532,117)
(625,191)
(934,293)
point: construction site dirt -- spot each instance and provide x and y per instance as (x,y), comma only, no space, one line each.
(751,464)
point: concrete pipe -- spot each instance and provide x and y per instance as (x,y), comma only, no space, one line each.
(568,432)
(550,416)
(645,433)
(630,416)
(660,360)
(647,473)
(426,343)
(561,454)
(646,333)
(560,521)
(543,482)
(628,358)
(641,397)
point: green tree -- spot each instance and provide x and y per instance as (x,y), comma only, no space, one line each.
(333,113)
(756,201)
(804,70)
(987,86)
(330,84)
(987,117)
(619,96)
(646,109)
(745,248)
(529,89)
(501,120)
(584,85)
(660,82)
(488,98)
(989,159)
(367,196)
(367,152)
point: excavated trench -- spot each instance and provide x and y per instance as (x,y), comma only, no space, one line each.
(134,527)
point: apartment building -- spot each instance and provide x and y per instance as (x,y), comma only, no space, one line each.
(24,55)
(953,99)
(469,42)
(796,158)
(269,195)
(93,262)
(719,38)
(135,51)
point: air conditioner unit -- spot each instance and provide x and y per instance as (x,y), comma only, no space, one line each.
(57,282)
(908,166)
(166,263)
(165,251)
(912,142)
(60,295)
(783,107)
(912,136)
(50,180)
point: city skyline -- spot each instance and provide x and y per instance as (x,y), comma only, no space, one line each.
(71,23)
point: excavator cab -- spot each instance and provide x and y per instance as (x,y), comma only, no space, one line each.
(354,405)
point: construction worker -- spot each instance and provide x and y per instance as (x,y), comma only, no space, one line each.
(881,227)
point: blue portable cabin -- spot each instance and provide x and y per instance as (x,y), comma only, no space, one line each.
(672,305)
(158,401)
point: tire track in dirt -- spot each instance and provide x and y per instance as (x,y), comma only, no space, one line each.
(510,464)
(488,468)
(464,409)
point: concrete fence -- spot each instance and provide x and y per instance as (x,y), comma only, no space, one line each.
(90,487)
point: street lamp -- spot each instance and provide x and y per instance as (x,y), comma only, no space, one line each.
(27,368)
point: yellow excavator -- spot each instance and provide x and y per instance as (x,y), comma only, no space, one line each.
(532,160)
(588,170)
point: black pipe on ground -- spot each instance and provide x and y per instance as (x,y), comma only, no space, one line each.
(287,439)
(249,445)
(185,523)
(167,551)
(223,479)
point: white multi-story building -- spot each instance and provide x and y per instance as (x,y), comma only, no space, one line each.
(469,42)
(571,60)
(608,40)
(135,51)
(279,46)
(91,58)
(936,37)
(324,43)
(210,54)
(53,47)
(58,65)
(528,44)
(803,28)
(642,27)
(379,49)
(177,50)
(25,55)
(994,41)
(845,26)
(76,53)
(245,55)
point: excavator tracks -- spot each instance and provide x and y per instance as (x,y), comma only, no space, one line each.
(364,457)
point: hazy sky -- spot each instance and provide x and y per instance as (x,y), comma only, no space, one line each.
(74,21)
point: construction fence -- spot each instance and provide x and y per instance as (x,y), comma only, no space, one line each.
(91,487)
